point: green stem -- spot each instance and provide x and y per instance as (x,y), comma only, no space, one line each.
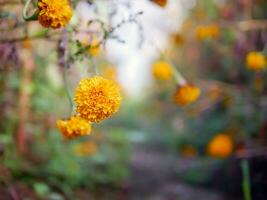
(94,65)
(24,12)
(178,77)
(246,180)
(67,89)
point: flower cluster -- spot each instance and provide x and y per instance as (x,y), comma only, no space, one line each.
(185,93)
(73,127)
(54,13)
(96,99)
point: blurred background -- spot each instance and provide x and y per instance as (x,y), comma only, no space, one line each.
(152,149)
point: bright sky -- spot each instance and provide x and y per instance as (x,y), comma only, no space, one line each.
(134,61)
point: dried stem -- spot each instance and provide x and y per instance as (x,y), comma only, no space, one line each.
(24,102)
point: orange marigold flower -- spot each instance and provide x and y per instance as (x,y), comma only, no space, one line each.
(255,61)
(220,146)
(95,48)
(162,70)
(161,3)
(74,127)
(97,98)
(54,13)
(186,94)
(207,32)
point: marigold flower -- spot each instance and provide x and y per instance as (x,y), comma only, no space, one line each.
(255,61)
(85,148)
(161,3)
(97,98)
(186,94)
(162,70)
(207,32)
(220,146)
(95,48)
(54,13)
(74,127)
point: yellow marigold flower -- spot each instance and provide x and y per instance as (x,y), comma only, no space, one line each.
(162,70)
(97,98)
(87,148)
(54,13)
(255,61)
(207,32)
(214,31)
(74,127)
(220,146)
(161,3)
(186,94)
(95,48)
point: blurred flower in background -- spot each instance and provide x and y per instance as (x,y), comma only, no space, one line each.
(255,61)
(220,146)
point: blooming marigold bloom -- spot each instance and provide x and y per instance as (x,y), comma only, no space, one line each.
(161,3)
(186,94)
(54,13)
(255,61)
(95,48)
(207,32)
(220,146)
(162,70)
(97,98)
(74,127)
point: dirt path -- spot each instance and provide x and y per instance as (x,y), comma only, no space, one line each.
(154,178)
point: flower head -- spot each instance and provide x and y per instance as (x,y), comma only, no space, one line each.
(207,32)
(162,70)
(74,127)
(220,146)
(255,61)
(97,98)
(95,48)
(161,3)
(54,13)
(186,94)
